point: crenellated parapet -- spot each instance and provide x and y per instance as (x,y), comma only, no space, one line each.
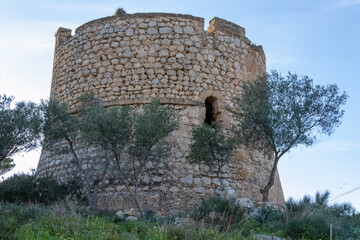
(221,25)
(100,21)
(62,35)
(145,55)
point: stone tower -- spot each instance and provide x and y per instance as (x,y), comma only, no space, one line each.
(129,59)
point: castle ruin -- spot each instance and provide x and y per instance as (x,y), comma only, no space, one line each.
(129,59)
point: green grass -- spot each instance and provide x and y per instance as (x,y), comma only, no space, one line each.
(68,221)
(214,218)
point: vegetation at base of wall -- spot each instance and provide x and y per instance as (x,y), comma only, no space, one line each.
(69,221)
(308,218)
(26,188)
(220,212)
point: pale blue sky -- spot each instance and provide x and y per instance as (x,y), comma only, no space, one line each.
(318,38)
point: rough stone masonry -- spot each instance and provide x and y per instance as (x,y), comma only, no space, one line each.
(129,59)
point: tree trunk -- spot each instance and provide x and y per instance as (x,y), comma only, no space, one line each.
(90,193)
(135,198)
(265,191)
(92,198)
(221,183)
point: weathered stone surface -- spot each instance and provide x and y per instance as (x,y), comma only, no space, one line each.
(127,61)
(129,212)
(188,179)
(266,237)
(87,45)
(189,30)
(165,30)
(120,215)
(152,31)
(245,203)
(131,218)
(129,32)
(230,193)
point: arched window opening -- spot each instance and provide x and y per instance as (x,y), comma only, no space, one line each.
(210,115)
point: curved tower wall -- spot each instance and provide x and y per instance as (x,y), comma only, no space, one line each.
(127,60)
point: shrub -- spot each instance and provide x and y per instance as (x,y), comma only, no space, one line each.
(26,188)
(311,226)
(311,218)
(13,216)
(267,215)
(119,12)
(219,212)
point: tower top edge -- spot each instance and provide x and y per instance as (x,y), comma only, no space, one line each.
(138,15)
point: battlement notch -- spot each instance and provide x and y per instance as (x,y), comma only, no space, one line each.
(62,35)
(221,25)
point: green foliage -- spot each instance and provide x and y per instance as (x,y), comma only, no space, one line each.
(306,219)
(65,221)
(276,114)
(59,124)
(13,216)
(19,130)
(198,232)
(6,165)
(119,129)
(280,113)
(119,12)
(139,136)
(129,139)
(267,215)
(311,218)
(152,125)
(211,146)
(26,188)
(219,212)
(108,127)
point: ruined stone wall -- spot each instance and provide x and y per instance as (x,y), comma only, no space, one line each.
(127,60)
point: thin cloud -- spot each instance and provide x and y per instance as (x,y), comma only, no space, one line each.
(274,62)
(330,146)
(341,4)
(70,6)
(35,37)
(25,43)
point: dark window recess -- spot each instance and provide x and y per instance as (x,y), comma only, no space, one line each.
(209,116)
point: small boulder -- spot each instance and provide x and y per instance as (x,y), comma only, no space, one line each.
(130,212)
(183,222)
(131,218)
(120,215)
(245,203)
(271,205)
(229,193)
(266,237)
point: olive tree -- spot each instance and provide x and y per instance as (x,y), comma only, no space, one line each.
(276,114)
(211,146)
(20,127)
(130,138)
(62,134)
(152,126)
